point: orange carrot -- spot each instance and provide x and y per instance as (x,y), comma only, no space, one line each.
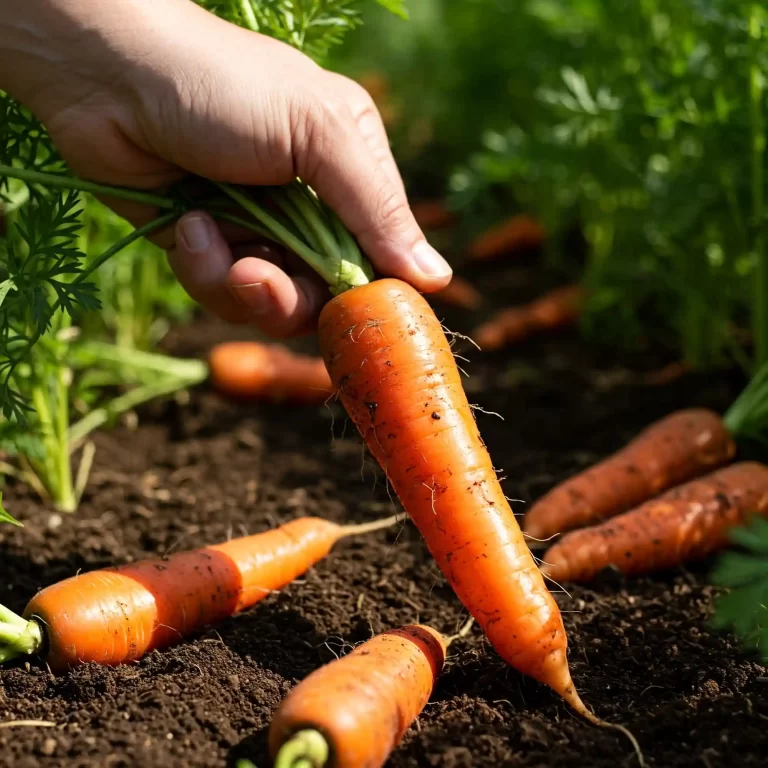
(116,615)
(554,311)
(397,378)
(248,369)
(674,450)
(354,711)
(687,523)
(677,448)
(459,293)
(515,234)
(433,214)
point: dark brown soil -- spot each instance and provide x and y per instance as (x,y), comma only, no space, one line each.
(641,651)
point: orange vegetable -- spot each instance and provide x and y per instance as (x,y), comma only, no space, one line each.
(433,214)
(248,369)
(554,311)
(459,293)
(116,615)
(397,378)
(677,448)
(515,234)
(686,523)
(354,711)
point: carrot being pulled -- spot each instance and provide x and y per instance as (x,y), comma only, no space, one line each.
(685,524)
(116,615)
(556,310)
(392,367)
(678,448)
(354,711)
(459,293)
(249,369)
(515,234)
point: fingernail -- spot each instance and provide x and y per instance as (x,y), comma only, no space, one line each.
(257,297)
(429,261)
(195,232)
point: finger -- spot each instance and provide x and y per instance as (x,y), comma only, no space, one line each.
(371,126)
(334,158)
(280,305)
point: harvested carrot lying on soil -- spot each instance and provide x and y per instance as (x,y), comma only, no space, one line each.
(433,214)
(249,369)
(116,615)
(396,376)
(459,293)
(556,310)
(685,524)
(515,234)
(354,711)
(678,448)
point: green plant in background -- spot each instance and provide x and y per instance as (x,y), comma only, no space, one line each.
(57,255)
(744,573)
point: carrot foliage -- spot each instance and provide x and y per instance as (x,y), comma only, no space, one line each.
(744,572)
(747,418)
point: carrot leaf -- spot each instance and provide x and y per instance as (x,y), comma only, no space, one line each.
(747,418)
(6,517)
(744,573)
(395,6)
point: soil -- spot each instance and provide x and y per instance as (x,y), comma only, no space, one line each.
(201,470)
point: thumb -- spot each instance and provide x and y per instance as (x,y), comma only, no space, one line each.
(334,158)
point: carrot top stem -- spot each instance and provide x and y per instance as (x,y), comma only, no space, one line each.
(311,230)
(18,637)
(305,749)
(748,415)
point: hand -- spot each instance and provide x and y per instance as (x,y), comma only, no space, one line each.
(139,94)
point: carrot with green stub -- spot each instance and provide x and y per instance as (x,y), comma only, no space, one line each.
(393,369)
(354,711)
(673,450)
(116,615)
(685,524)
(252,370)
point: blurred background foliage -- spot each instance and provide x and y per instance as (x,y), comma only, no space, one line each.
(642,121)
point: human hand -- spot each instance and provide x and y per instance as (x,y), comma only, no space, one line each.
(140,95)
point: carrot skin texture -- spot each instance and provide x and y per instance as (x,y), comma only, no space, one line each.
(117,615)
(687,523)
(249,369)
(554,311)
(398,380)
(365,701)
(671,451)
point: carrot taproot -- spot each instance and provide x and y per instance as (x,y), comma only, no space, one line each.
(516,233)
(354,711)
(678,448)
(115,615)
(459,293)
(554,311)
(396,376)
(249,369)
(685,524)
(433,214)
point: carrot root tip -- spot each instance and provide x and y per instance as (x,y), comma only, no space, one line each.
(305,749)
(18,637)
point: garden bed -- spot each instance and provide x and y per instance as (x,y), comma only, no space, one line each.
(198,472)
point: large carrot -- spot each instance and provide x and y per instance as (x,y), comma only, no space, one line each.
(397,378)
(515,234)
(353,712)
(249,369)
(678,448)
(116,615)
(687,523)
(394,371)
(554,311)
